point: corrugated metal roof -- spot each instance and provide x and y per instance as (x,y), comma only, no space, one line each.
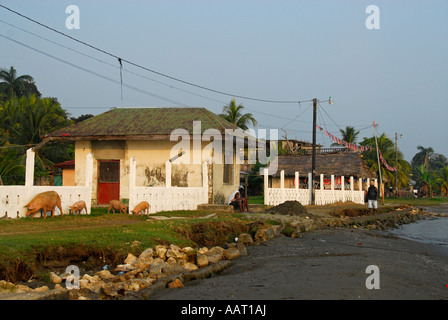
(144,121)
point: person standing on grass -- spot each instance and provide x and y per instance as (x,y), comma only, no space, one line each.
(372,198)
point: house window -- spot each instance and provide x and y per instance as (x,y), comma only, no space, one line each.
(228,173)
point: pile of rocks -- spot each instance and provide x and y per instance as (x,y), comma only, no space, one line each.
(158,267)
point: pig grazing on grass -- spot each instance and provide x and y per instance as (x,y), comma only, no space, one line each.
(47,201)
(117,205)
(142,207)
(78,206)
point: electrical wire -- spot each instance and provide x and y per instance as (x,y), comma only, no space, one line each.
(139,66)
(328,115)
(148,69)
(107,63)
(93,72)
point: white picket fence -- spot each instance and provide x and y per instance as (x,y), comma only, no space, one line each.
(14,198)
(167,198)
(276,196)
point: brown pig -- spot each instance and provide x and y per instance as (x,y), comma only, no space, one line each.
(117,205)
(47,201)
(142,207)
(78,206)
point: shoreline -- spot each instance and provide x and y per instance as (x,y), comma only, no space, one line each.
(328,260)
(326,264)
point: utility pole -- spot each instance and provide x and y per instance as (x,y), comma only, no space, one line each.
(379,166)
(396,164)
(313,161)
(396,161)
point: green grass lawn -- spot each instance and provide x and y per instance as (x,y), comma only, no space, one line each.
(105,238)
(256,200)
(415,202)
(27,242)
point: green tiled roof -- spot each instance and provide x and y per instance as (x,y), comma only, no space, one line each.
(126,122)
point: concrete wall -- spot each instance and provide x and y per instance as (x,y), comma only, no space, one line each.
(151,157)
(14,198)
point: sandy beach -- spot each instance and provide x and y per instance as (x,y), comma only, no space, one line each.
(327,264)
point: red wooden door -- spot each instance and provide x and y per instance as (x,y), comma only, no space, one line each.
(108,181)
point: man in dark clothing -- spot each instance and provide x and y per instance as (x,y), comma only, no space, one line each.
(372,198)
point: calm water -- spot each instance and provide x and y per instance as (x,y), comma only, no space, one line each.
(433,231)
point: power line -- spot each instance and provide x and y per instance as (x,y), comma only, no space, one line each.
(134,88)
(329,116)
(150,70)
(107,63)
(93,72)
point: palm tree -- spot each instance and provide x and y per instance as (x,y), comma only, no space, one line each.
(442,181)
(387,148)
(422,157)
(23,123)
(348,135)
(233,114)
(11,166)
(14,86)
(424,180)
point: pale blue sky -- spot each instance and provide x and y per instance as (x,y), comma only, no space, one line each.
(396,76)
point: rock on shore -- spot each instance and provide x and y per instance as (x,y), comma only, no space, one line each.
(139,276)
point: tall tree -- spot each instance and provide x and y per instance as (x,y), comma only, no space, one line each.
(424,180)
(422,157)
(442,181)
(11,166)
(81,117)
(428,170)
(349,135)
(16,86)
(23,123)
(387,148)
(234,114)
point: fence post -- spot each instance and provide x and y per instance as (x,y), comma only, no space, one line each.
(296,181)
(343,188)
(310,186)
(168,174)
(282,185)
(266,182)
(29,173)
(132,176)
(89,170)
(204,194)
(89,181)
(352,189)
